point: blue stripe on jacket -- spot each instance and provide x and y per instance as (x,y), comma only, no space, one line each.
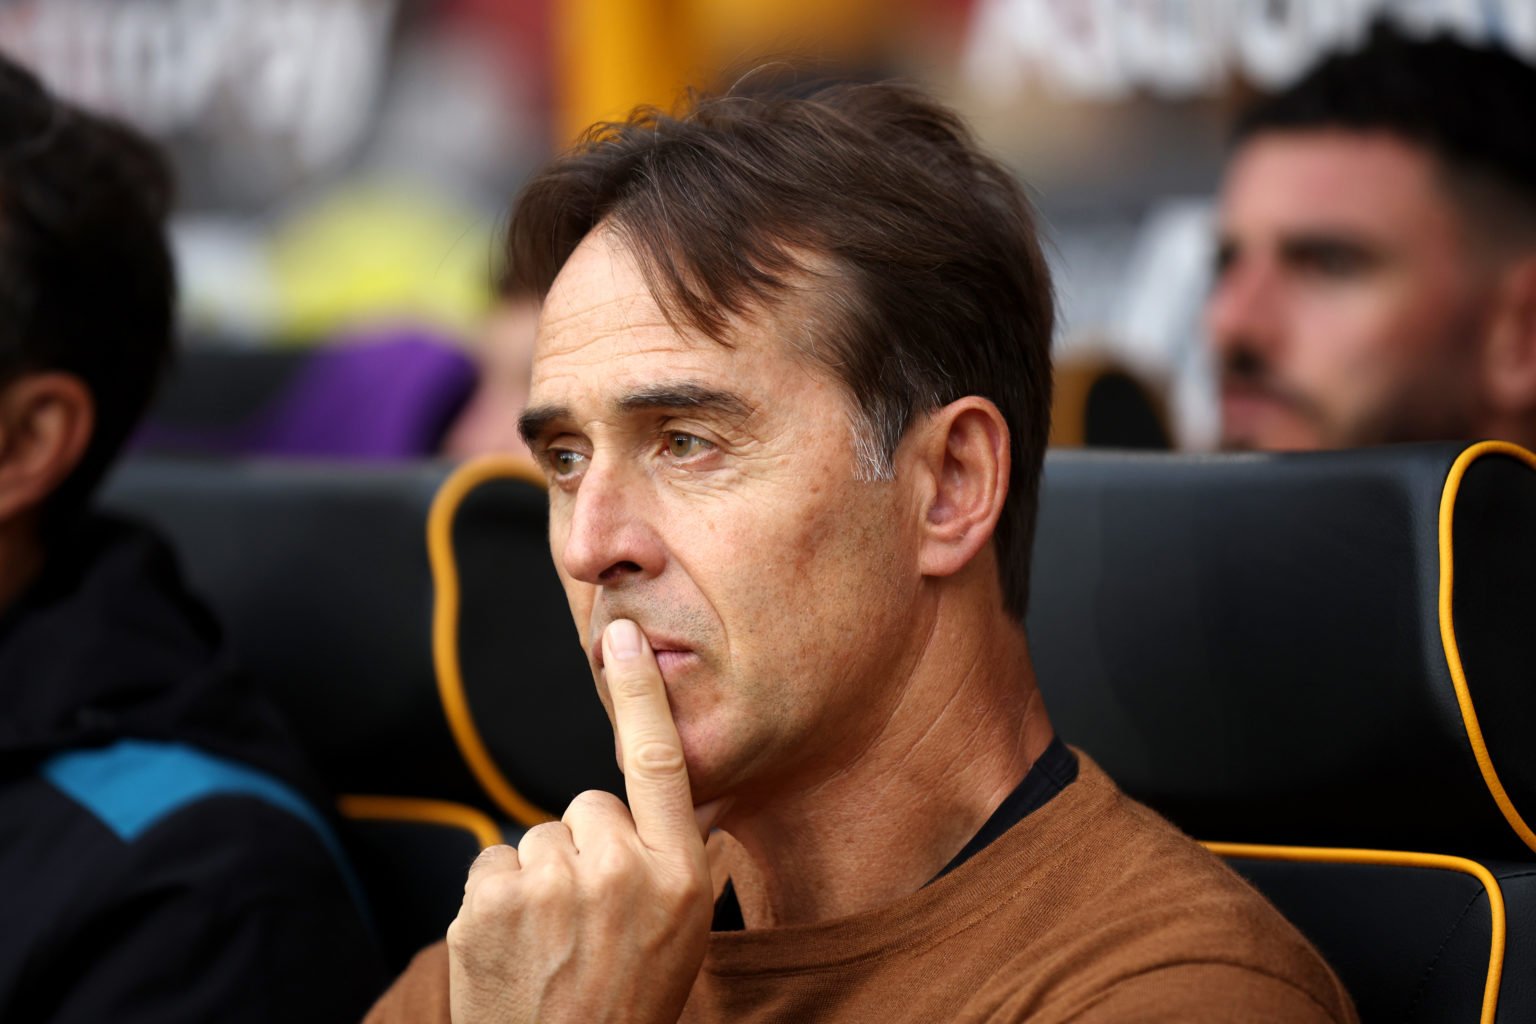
(133,784)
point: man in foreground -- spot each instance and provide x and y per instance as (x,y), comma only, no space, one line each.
(1376,270)
(791,390)
(162,855)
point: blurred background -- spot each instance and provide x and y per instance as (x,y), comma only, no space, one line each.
(346,165)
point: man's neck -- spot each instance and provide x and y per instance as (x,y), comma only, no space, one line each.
(21,560)
(965,732)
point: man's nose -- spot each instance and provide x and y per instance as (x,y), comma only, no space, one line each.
(610,538)
(1243,311)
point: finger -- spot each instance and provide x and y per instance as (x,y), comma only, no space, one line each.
(542,842)
(655,774)
(493,862)
(707,816)
(719,863)
(595,817)
(491,859)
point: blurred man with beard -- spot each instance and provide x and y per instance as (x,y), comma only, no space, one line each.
(1376,269)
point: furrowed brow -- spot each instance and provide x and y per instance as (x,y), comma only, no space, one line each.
(536,421)
(685,395)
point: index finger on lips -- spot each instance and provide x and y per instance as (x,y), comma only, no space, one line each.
(655,774)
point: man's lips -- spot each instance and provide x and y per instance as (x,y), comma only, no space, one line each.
(670,653)
(670,662)
(1244,399)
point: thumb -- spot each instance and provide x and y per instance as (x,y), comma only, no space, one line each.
(707,815)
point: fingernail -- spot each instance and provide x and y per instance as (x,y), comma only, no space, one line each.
(623,638)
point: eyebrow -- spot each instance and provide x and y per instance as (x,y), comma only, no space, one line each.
(537,420)
(1310,244)
(685,395)
(1307,244)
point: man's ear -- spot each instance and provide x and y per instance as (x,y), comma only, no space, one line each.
(966,453)
(46,421)
(1509,358)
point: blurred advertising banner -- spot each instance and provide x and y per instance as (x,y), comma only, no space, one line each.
(251,94)
(350,162)
(340,162)
(1106,49)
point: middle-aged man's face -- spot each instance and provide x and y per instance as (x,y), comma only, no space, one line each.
(1349,302)
(710,493)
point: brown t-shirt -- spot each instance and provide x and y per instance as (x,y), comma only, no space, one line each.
(1090,909)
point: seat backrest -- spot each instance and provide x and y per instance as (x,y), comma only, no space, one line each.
(408,622)
(1098,403)
(1274,651)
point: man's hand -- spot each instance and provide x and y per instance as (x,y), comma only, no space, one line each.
(603,915)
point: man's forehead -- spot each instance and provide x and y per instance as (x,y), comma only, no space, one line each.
(600,306)
(600,288)
(1331,176)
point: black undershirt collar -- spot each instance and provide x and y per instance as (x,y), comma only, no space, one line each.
(1053,771)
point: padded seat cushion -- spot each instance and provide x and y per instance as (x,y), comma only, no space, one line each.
(1431,928)
(1252,644)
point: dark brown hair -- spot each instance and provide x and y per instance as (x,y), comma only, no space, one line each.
(1461,103)
(87,284)
(914,255)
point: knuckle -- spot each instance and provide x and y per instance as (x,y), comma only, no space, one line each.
(658,758)
(489,859)
(498,894)
(546,833)
(681,895)
(550,887)
(630,685)
(590,802)
(613,866)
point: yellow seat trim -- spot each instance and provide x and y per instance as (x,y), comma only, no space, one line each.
(1400,858)
(445,628)
(1448,627)
(414,809)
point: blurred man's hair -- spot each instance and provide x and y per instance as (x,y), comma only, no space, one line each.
(87,284)
(898,255)
(1468,106)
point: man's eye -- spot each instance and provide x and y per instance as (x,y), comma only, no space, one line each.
(1326,259)
(681,446)
(1338,263)
(565,462)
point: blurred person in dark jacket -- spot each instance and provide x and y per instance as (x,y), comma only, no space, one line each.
(163,852)
(1376,269)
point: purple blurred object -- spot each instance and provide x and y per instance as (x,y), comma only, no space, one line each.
(377,394)
(367,397)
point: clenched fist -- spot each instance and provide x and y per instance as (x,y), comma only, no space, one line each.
(603,915)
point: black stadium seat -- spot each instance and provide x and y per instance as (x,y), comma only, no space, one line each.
(1273,651)
(409,622)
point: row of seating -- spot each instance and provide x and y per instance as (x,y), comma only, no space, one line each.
(369,634)
(395,393)
(1316,663)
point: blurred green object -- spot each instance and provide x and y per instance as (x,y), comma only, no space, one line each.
(375,252)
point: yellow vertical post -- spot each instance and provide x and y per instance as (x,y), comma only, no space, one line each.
(614,54)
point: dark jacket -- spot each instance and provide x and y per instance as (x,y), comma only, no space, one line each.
(164,853)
